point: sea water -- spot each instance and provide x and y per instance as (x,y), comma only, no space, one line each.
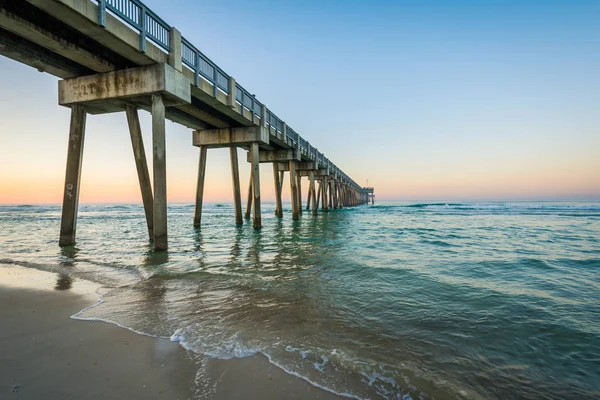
(393,300)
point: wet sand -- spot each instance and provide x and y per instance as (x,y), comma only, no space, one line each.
(46,354)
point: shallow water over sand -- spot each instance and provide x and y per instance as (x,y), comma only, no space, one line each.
(395,300)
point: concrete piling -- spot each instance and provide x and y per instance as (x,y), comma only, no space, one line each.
(254,158)
(160,172)
(141,165)
(299,193)
(276,180)
(313,196)
(235,177)
(294,190)
(200,186)
(324,196)
(68,224)
(250,195)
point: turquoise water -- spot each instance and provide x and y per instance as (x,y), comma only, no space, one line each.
(395,300)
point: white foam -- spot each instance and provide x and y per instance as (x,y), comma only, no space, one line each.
(304,378)
(77,316)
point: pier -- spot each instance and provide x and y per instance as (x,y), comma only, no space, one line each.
(119,56)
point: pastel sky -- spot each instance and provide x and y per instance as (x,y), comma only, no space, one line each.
(428,100)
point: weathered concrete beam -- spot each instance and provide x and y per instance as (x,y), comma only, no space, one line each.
(301,166)
(319,173)
(269,156)
(38,57)
(52,41)
(226,137)
(145,81)
(83,16)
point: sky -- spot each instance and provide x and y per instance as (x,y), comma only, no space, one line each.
(427,100)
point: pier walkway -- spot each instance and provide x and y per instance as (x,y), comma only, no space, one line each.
(118,55)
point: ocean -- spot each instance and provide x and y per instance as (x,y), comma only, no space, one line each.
(395,300)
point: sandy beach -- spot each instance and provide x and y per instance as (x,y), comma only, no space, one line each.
(46,354)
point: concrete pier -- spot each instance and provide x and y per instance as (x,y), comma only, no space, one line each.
(109,65)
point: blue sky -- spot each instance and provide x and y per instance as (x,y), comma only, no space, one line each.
(426,99)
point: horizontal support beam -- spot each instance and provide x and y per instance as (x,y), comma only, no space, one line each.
(52,41)
(226,137)
(300,166)
(129,83)
(15,47)
(318,173)
(269,156)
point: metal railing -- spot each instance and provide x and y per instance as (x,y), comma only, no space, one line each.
(151,26)
(136,14)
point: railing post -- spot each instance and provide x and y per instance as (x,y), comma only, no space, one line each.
(281,135)
(232,93)
(197,70)
(143,29)
(175,49)
(263,117)
(242,107)
(102,13)
(215,80)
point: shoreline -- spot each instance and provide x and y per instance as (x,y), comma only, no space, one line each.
(46,353)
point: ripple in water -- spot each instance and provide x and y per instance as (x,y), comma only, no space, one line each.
(392,301)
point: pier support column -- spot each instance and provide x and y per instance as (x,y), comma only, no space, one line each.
(160,173)
(250,195)
(299,196)
(254,158)
(294,190)
(200,187)
(141,165)
(340,195)
(319,194)
(345,191)
(235,177)
(308,195)
(334,192)
(324,194)
(276,177)
(313,196)
(68,223)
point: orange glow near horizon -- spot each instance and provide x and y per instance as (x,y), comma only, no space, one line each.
(218,188)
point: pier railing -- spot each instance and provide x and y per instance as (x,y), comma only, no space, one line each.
(151,26)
